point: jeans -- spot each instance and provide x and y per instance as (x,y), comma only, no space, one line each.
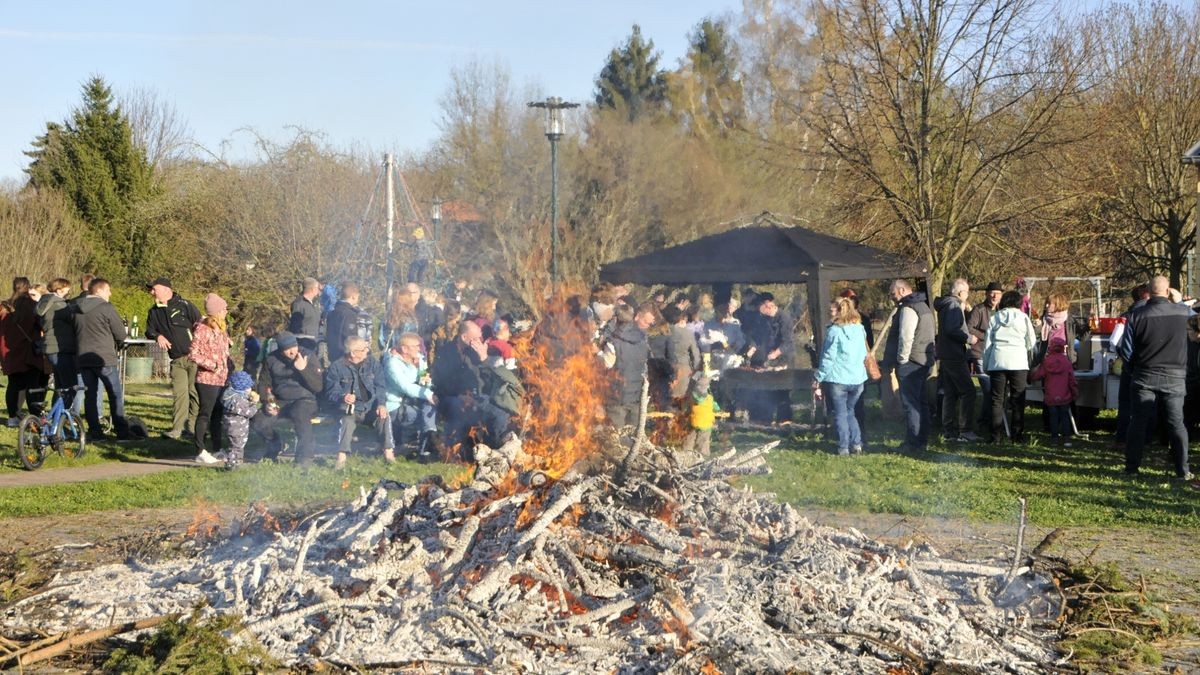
(1059,417)
(913,403)
(958,398)
(409,422)
(110,377)
(65,377)
(1149,390)
(1012,382)
(843,398)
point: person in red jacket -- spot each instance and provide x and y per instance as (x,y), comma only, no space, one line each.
(1059,389)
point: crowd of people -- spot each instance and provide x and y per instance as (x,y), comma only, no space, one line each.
(438,373)
(1005,345)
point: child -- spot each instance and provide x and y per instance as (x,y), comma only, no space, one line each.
(703,417)
(1059,390)
(240,404)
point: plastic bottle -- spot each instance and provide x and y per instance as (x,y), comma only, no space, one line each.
(133,329)
(125,322)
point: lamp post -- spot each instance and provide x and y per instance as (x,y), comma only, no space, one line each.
(554,131)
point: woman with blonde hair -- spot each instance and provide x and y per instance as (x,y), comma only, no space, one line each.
(842,371)
(1056,322)
(210,352)
(401,316)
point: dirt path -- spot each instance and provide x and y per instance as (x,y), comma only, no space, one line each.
(105,471)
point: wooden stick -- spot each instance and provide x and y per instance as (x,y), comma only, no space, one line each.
(66,644)
(1016,562)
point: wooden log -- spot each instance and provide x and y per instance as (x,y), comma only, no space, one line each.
(67,641)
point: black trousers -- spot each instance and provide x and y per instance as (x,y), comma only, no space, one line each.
(300,414)
(958,398)
(17,395)
(209,417)
(1008,393)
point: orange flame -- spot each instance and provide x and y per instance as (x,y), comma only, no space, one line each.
(206,520)
(259,520)
(566,389)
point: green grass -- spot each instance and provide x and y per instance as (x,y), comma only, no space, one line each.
(1078,486)
(277,483)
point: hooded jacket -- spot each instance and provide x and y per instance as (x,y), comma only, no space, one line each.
(1010,341)
(632,350)
(19,333)
(57,318)
(1060,386)
(953,336)
(98,332)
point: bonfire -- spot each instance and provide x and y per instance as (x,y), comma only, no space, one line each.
(572,549)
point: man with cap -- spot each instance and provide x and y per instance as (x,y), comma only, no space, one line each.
(169,323)
(977,325)
(290,381)
(305,320)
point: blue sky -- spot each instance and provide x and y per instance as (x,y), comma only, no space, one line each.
(363,72)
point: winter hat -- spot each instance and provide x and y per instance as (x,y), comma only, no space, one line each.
(285,339)
(241,381)
(214,304)
(995,286)
(1058,346)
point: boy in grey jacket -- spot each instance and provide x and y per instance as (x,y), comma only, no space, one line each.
(240,404)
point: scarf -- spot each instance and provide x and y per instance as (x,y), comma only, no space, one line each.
(1051,321)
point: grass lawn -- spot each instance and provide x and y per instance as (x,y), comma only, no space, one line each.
(1079,486)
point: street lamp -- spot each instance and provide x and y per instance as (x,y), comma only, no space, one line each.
(554,107)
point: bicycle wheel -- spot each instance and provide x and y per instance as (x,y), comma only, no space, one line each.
(30,447)
(70,439)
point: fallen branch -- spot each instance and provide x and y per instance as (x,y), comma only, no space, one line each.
(65,642)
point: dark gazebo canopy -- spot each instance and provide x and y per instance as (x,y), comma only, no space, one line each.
(764,254)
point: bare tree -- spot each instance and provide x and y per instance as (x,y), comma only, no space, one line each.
(928,106)
(44,239)
(1148,85)
(157,126)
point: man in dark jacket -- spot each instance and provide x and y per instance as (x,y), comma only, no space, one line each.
(954,343)
(428,316)
(977,324)
(631,351)
(169,323)
(910,351)
(305,320)
(1154,347)
(342,322)
(772,343)
(458,384)
(354,390)
(99,333)
(289,382)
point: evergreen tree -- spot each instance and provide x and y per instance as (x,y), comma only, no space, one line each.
(92,160)
(631,80)
(708,89)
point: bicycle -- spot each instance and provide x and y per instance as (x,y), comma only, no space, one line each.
(58,428)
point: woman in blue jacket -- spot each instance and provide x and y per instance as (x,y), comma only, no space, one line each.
(843,372)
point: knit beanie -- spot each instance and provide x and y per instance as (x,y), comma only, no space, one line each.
(241,381)
(214,304)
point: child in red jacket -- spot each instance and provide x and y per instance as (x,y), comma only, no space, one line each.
(1058,390)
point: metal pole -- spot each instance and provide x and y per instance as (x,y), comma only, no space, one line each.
(553,212)
(391,221)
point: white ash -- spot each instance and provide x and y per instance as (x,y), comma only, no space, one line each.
(647,568)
